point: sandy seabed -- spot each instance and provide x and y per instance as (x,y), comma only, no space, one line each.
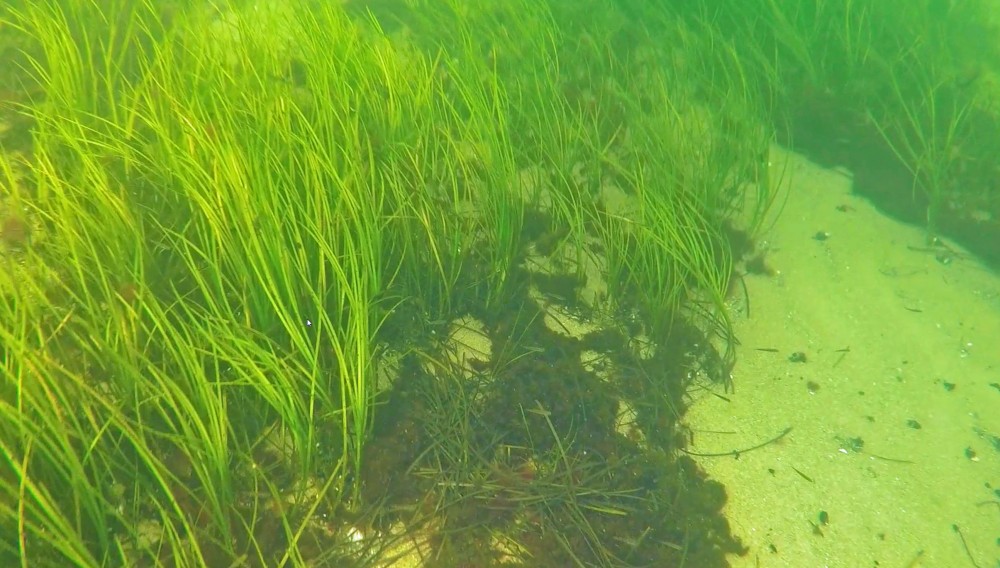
(893,457)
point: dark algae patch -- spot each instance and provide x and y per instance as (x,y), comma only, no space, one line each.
(536,457)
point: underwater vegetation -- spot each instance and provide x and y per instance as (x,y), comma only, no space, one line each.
(303,283)
(903,95)
(230,223)
(554,451)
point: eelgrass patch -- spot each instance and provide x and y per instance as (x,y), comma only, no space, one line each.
(904,97)
(262,230)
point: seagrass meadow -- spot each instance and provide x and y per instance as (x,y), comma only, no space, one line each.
(398,283)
